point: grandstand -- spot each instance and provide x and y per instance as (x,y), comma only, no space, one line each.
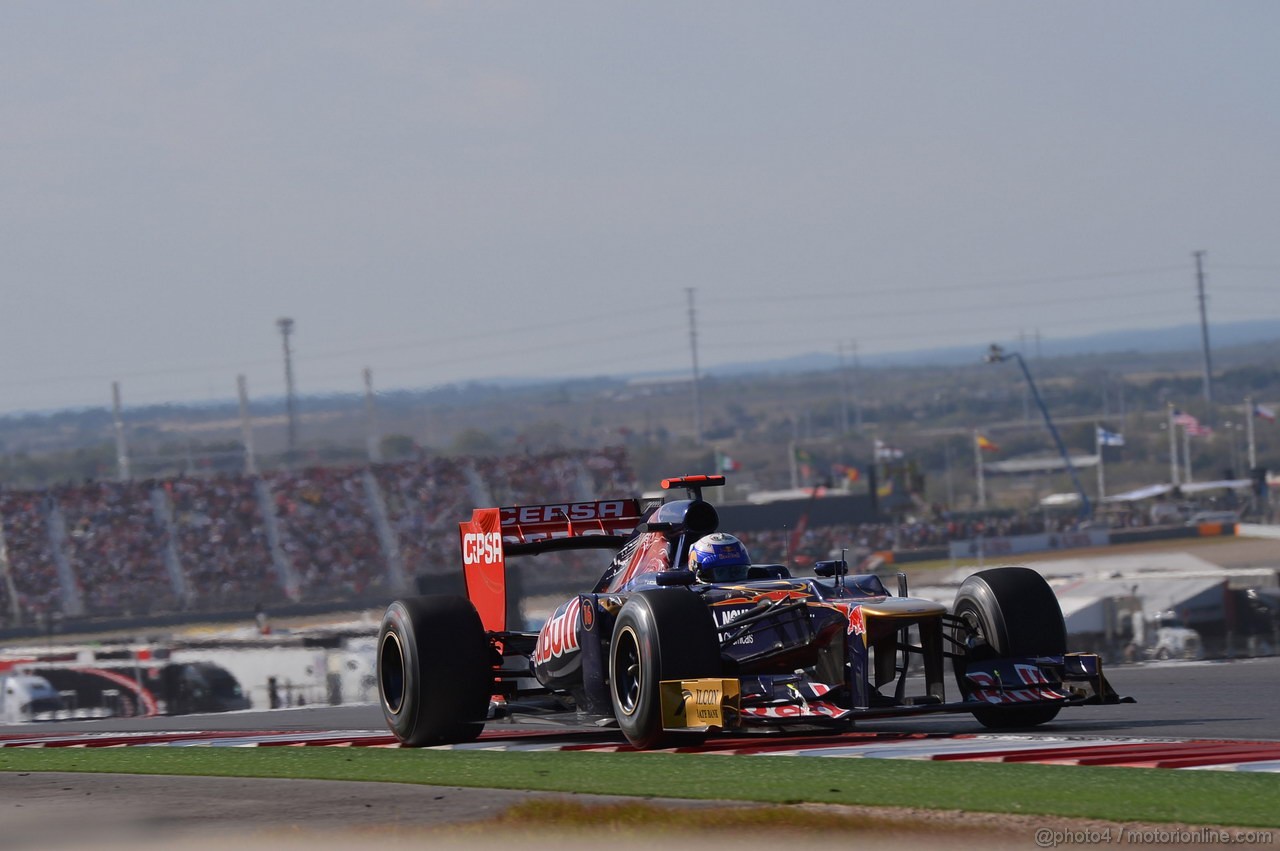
(350,536)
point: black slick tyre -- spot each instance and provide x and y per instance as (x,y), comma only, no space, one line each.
(660,634)
(435,673)
(1009,611)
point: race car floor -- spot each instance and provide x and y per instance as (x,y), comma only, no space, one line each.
(1211,754)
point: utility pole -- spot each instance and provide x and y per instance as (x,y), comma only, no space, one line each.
(857,387)
(286,328)
(246,427)
(371,419)
(946,454)
(1248,419)
(122,446)
(1026,393)
(844,393)
(697,381)
(978,471)
(1204,328)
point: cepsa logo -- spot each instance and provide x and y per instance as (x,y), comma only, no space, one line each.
(559,636)
(482,548)
(525,515)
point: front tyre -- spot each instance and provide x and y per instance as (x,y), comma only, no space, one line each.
(1008,612)
(660,634)
(435,675)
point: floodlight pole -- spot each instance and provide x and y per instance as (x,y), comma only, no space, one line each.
(998,355)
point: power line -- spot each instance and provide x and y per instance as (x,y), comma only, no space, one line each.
(969,308)
(975,287)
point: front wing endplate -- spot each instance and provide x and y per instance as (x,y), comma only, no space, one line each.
(703,704)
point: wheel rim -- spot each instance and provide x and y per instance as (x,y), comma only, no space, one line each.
(627,675)
(391,673)
(975,638)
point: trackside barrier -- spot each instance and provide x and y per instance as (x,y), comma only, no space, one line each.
(1155,533)
(1258,530)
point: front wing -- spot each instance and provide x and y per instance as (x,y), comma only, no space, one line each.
(1074,679)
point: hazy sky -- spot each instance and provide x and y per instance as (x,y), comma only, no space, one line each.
(447,191)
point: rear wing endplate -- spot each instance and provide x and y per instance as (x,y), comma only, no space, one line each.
(494,533)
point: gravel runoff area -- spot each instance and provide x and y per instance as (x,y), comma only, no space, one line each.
(53,811)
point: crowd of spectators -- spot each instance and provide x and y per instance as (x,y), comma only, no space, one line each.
(115,547)
(240,542)
(328,532)
(425,500)
(33,573)
(222,543)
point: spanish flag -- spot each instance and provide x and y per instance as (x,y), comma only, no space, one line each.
(986,445)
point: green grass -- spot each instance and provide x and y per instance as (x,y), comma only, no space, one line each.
(1118,794)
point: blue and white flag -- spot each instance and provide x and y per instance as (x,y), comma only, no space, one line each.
(1109,438)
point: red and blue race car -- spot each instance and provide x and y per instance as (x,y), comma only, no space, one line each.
(671,654)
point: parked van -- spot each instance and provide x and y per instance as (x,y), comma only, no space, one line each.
(26,697)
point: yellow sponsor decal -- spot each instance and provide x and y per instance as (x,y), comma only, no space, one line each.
(699,704)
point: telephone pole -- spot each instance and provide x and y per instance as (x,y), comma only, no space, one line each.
(1204,328)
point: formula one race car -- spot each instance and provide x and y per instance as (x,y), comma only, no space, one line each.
(671,653)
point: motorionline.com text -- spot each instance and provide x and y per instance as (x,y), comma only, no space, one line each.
(1048,838)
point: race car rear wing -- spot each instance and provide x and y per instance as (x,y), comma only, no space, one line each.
(492,534)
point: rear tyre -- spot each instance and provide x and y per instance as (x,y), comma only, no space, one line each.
(665,634)
(1009,611)
(435,673)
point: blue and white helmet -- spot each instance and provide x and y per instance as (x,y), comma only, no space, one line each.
(719,557)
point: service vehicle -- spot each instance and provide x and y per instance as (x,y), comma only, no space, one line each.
(27,697)
(671,654)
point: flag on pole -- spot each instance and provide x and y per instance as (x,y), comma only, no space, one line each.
(1109,438)
(986,445)
(1184,419)
(1198,430)
(844,471)
(804,462)
(725,464)
(1262,412)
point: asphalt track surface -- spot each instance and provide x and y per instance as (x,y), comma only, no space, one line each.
(1202,700)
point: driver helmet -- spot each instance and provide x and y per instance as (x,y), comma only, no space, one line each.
(719,557)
